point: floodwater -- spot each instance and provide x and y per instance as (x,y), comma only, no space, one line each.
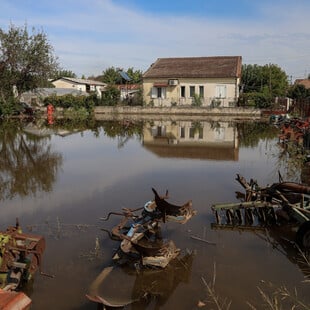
(60,179)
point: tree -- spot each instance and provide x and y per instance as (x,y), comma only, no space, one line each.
(111,95)
(298,91)
(26,61)
(64,73)
(263,83)
(135,75)
(111,76)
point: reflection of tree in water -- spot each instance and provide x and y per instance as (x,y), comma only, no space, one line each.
(250,133)
(290,156)
(291,160)
(27,164)
(123,130)
(112,128)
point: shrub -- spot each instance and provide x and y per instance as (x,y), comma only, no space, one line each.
(197,102)
(72,102)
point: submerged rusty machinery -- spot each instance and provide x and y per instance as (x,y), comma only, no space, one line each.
(294,130)
(278,204)
(139,233)
(20,257)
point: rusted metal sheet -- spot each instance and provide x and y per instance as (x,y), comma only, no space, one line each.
(14,300)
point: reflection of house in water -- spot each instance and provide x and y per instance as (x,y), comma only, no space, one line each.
(41,130)
(192,139)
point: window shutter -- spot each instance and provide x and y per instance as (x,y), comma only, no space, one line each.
(154,92)
(163,92)
(220,91)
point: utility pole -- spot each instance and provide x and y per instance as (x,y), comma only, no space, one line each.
(270,79)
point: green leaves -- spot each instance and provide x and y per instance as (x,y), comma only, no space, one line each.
(260,84)
(26,60)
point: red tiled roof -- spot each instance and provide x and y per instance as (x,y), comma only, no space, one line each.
(196,67)
(305,82)
(129,86)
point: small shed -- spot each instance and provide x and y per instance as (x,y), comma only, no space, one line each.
(83,85)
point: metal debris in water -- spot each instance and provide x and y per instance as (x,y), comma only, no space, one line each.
(140,235)
(282,202)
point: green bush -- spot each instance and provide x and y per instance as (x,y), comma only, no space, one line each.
(215,103)
(110,96)
(9,107)
(197,102)
(257,99)
(72,102)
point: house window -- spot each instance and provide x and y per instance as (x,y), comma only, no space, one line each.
(219,134)
(201,92)
(158,92)
(161,131)
(191,91)
(182,133)
(220,91)
(192,133)
(183,91)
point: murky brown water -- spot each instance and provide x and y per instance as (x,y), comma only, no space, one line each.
(60,180)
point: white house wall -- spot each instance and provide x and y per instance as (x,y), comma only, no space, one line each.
(81,87)
(68,84)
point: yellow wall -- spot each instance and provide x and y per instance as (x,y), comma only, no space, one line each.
(173,92)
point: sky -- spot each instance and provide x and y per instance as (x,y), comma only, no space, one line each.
(90,36)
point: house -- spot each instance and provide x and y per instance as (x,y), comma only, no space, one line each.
(304,82)
(80,84)
(206,81)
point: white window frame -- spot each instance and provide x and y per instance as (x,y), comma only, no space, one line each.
(154,92)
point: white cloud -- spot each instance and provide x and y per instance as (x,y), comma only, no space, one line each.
(91,37)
